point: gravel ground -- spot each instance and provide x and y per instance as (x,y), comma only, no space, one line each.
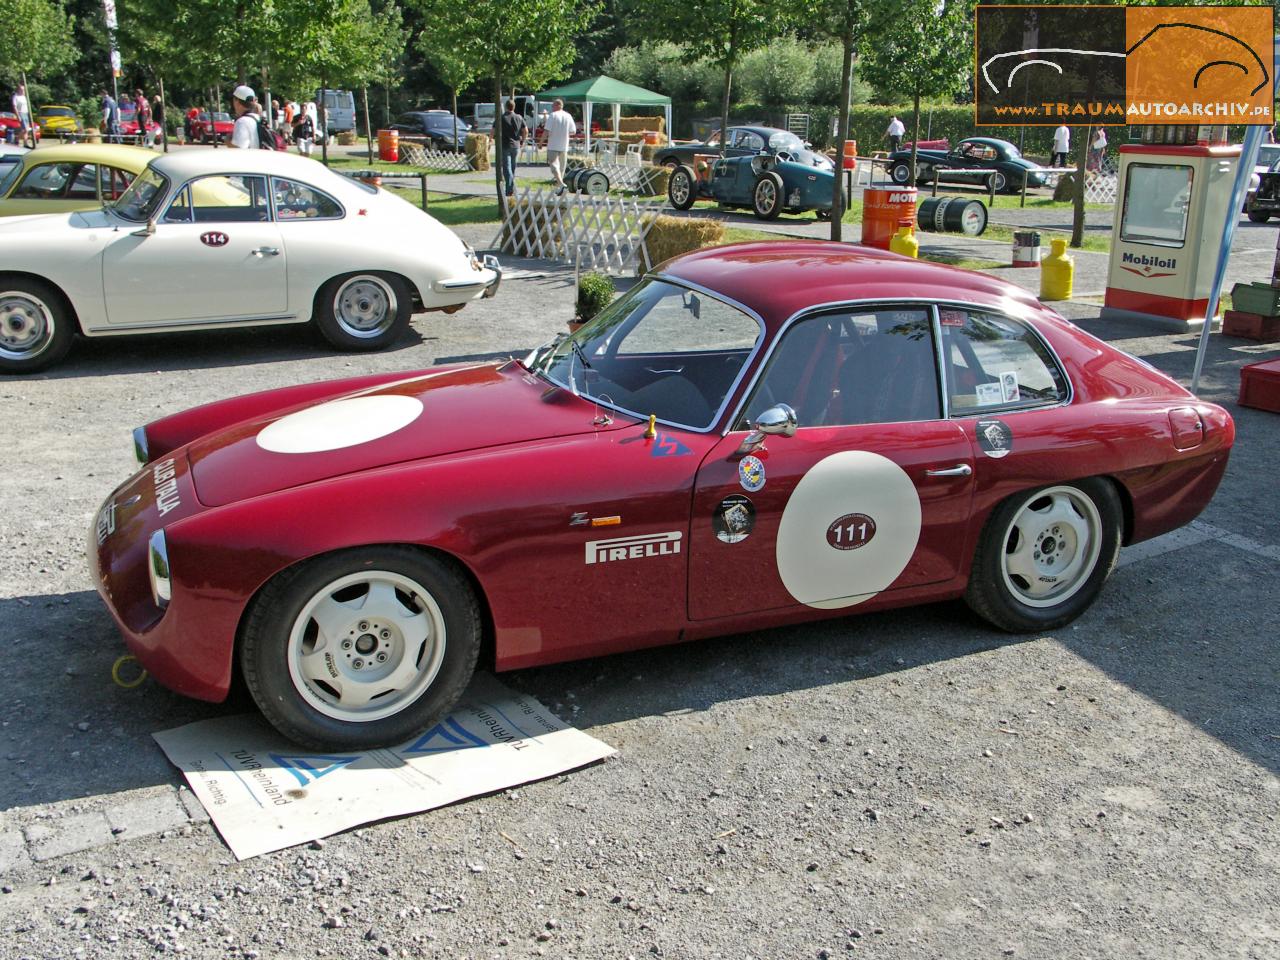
(907,785)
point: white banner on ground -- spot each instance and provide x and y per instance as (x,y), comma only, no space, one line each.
(265,793)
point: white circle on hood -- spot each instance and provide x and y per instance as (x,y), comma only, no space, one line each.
(339,423)
(851,482)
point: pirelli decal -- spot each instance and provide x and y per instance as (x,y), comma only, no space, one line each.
(633,548)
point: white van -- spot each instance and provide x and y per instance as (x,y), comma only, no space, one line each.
(339,109)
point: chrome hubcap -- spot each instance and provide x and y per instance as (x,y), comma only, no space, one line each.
(680,189)
(366,646)
(1051,547)
(365,306)
(26,326)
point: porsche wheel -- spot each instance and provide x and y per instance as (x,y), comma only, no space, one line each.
(35,326)
(766,198)
(901,173)
(362,648)
(363,311)
(1044,556)
(682,188)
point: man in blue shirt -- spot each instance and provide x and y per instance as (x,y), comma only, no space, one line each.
(110,117)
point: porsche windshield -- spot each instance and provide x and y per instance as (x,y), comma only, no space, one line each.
(661,349)
(141,201)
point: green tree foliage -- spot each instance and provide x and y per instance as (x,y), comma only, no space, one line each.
(454,72)
(920,48)
(720,31)
(36,38)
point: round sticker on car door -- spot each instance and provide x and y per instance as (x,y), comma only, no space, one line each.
(849,529)
(214,238)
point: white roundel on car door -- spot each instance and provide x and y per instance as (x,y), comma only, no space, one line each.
(339,423)
(849,529)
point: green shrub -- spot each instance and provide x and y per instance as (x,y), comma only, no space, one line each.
(595,292)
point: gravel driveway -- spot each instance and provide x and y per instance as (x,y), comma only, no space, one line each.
(907,784)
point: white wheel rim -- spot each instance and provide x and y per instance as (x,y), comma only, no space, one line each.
(26,325)
(365,306)
(366,646)
(1051,547)
(766,196)
(901,173)
(679,187)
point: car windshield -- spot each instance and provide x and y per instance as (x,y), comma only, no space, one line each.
(661,349)
(56,112)
(785,140)
(222,116)
(1268,154)
(140,202)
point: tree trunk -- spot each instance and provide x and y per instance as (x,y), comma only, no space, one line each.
(724,107)
(164,126)
(324,125)
(1077,211)
(842,134)
(497,153)
(915,139)
(368,130)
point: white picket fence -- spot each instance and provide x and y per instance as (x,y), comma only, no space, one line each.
(1103,186)
(417,155)
(593,233)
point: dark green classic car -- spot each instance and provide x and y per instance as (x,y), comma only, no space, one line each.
(768,184)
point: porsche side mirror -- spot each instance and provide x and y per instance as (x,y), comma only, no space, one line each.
(146,231)
(777,421)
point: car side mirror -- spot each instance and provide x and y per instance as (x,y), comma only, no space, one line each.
(146,231)
(777,421)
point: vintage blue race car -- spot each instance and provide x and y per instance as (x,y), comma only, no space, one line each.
(767,183)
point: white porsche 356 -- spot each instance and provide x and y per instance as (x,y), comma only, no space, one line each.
(205,239)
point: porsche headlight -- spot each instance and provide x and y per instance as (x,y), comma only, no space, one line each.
(158,569)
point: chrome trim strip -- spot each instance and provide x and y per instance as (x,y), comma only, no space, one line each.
(158,569)
(931,302)
(728,396)
(140,446)
(179,324)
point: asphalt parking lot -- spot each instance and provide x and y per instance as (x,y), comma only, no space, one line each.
(907,784)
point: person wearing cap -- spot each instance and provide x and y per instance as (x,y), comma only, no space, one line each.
(245,132)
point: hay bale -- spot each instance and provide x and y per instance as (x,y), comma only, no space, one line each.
(671,236)
(1066,188)
(347,138)
(640,124)
(656,180)
(477,148)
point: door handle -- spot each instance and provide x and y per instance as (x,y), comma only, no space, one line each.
(961,470)
(267,252)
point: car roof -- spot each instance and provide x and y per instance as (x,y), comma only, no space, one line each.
(199,161)
(756,128)
(992,141)
(117,153)
(763,277)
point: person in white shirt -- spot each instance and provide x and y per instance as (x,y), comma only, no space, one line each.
(895,132)
(1061,146)
(245,132)
(23,110)
(560,127)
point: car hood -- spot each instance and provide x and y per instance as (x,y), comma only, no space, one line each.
(444,411)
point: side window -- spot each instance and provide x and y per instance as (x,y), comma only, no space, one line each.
(179,207)
(996,363)
(45,182)
(871,365)
(750,141)
(114,182)
(298,201)
(84,186)
(230,199)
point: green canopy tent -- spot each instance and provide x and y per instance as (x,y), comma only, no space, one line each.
(604,89)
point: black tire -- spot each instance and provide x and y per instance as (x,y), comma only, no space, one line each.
(826,214)
(273,645)
(766,196)
(998,590)
(363,311)
(901,173)
(36,326)
(682,187)
(1259,216)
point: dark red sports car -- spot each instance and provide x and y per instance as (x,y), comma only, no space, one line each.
(204,132)
(754,435)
